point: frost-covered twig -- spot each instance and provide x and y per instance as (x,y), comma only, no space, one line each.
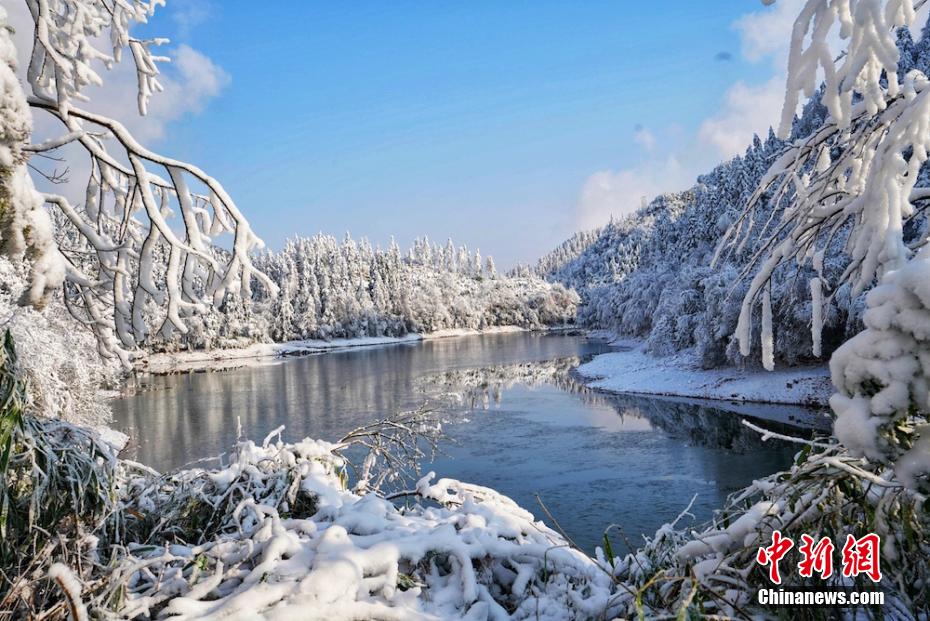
(768,435)
(395,447)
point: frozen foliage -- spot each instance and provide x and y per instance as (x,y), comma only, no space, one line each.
(63,372)
(275,533)
(114,242)
(861,175)
(882,374)
(55,477)
(329,290)
(296,541)
(71,588)
(828,492)
(25,228)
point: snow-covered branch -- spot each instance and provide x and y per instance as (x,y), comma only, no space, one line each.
(129,268)
(855,177)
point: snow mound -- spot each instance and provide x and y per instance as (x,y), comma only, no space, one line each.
(294,542)
(635,371)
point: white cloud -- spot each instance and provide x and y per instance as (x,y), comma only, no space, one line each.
(766,33)
(673,164)
(618,193)
(747,110)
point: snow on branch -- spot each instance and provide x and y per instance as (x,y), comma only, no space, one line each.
(853,180)
(871,54)
(856,174)
(128,268)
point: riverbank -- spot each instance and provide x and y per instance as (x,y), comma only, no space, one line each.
(633,371)
(261,353)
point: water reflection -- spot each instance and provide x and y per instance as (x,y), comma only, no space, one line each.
(701,422)
(522,424)
(180,418)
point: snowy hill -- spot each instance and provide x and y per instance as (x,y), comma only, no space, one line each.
(650,275)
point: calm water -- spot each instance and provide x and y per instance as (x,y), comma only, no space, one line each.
(525,428)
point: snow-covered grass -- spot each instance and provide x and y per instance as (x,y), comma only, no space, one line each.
(827,493)
(292,540)
(636,372)
(259,353)
(277,532)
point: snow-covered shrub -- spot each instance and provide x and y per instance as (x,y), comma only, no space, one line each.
(829,492)
(882,376)
(57,493)
(300,542)
(276,533)
(60,363)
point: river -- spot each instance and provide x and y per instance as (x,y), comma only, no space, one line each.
(518,423)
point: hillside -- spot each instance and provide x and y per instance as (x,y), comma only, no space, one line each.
(650,275)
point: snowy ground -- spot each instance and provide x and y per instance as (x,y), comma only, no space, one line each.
(217,359)
(449,332)
(635,372)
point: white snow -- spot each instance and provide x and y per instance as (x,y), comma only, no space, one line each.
(465,554)
(216,359)
(72,588)
(635,371)
(450,332)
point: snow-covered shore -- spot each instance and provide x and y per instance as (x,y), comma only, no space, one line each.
(633,371)
(218,359)
(630,371)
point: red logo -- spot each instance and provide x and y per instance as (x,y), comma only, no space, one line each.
(817,557)
(774,553)
(860,556)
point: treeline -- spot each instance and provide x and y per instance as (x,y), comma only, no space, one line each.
(330,289)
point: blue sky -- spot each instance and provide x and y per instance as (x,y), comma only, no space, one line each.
(505,125)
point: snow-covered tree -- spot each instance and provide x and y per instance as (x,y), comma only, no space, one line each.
(856,177)
(130,270)
(349,289)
